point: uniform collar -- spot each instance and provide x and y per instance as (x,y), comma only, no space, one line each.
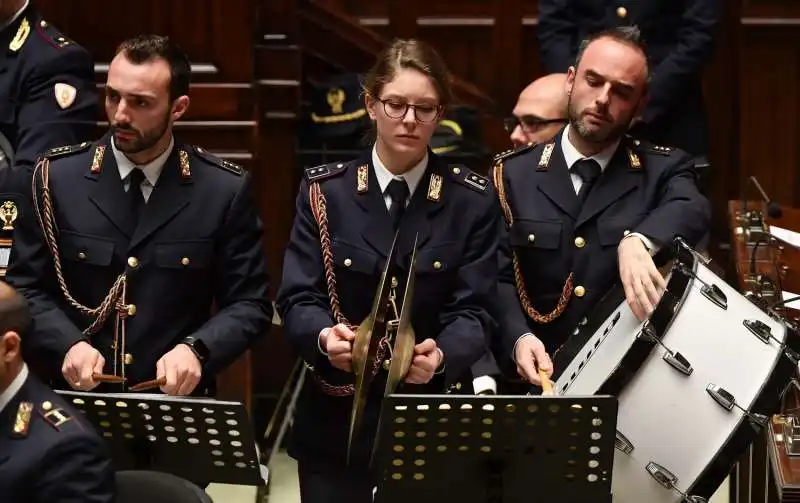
(13,388)
(572,155)
(152,170)
(15,17)
(412,177)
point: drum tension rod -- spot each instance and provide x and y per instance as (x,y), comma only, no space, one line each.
(668,479)
(761,330)
(727,401)
(674,358)
(711,292)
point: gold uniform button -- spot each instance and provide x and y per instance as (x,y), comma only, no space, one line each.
(82,255)
(458,385)
(437,265)
(531,238)
(622,12)
(47,405)
(131,308)
(348,262)
(580,242)
(185,261)
(580,291)
(133,262)
(456,170)
(128,359)
(43,23)
(626,232)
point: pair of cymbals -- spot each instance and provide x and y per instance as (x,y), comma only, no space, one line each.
(369,335)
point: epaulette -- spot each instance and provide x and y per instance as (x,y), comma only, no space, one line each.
(656,149)
(66,150)
(502,156)
(55,416)
(52,36)
(222,163)
(466,176)
(324,171)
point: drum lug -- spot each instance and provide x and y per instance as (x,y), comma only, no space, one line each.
(679,362)
(715,295)
(759,329)
(623,444)
(722,397)
(661,475)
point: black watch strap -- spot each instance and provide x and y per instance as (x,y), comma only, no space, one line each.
(198,347)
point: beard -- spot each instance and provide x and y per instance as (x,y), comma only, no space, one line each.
(608,131)
(142,140)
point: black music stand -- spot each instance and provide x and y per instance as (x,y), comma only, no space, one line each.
(198,439)
(496,449)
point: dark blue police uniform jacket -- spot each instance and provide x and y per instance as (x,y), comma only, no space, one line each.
(49,99)
(49,453)
(680,40)
(198,242)
(645,189)
(454,214)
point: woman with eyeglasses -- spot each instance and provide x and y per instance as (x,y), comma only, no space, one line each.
(346,219)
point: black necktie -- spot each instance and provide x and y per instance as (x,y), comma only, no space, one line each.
(135,195)
(398,191)
(589,171)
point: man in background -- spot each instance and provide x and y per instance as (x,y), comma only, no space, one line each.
(540,112)
(48,452)
(679,38)
(48,98)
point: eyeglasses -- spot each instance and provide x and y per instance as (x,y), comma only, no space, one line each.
(529,122)
(422,113)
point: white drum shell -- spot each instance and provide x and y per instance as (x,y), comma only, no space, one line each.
(669,417)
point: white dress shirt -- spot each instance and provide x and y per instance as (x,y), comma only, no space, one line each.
(412,177)
(13,388)
(152,170)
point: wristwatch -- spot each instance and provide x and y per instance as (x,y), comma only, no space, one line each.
(198,347)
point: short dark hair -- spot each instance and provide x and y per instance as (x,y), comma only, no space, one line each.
(628,35)
(144,48)
(15,315)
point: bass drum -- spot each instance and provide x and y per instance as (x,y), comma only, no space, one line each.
(695,382)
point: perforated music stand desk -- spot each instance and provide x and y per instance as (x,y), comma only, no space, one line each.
(192,438)
(496,449)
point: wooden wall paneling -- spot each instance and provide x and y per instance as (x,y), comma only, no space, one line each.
(403,17)
(721,92)
(278,77)
(506,41)
(769,77)
(202,27)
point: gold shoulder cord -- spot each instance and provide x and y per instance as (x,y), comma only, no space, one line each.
(520,282)
(319,209)
(114,301)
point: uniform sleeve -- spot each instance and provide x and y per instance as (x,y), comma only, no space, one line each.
(32,272)
(303,297)
(79,470)
(466,318)
(42,122)
(681,209)
(693,47)
(557,33)
(241,285)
